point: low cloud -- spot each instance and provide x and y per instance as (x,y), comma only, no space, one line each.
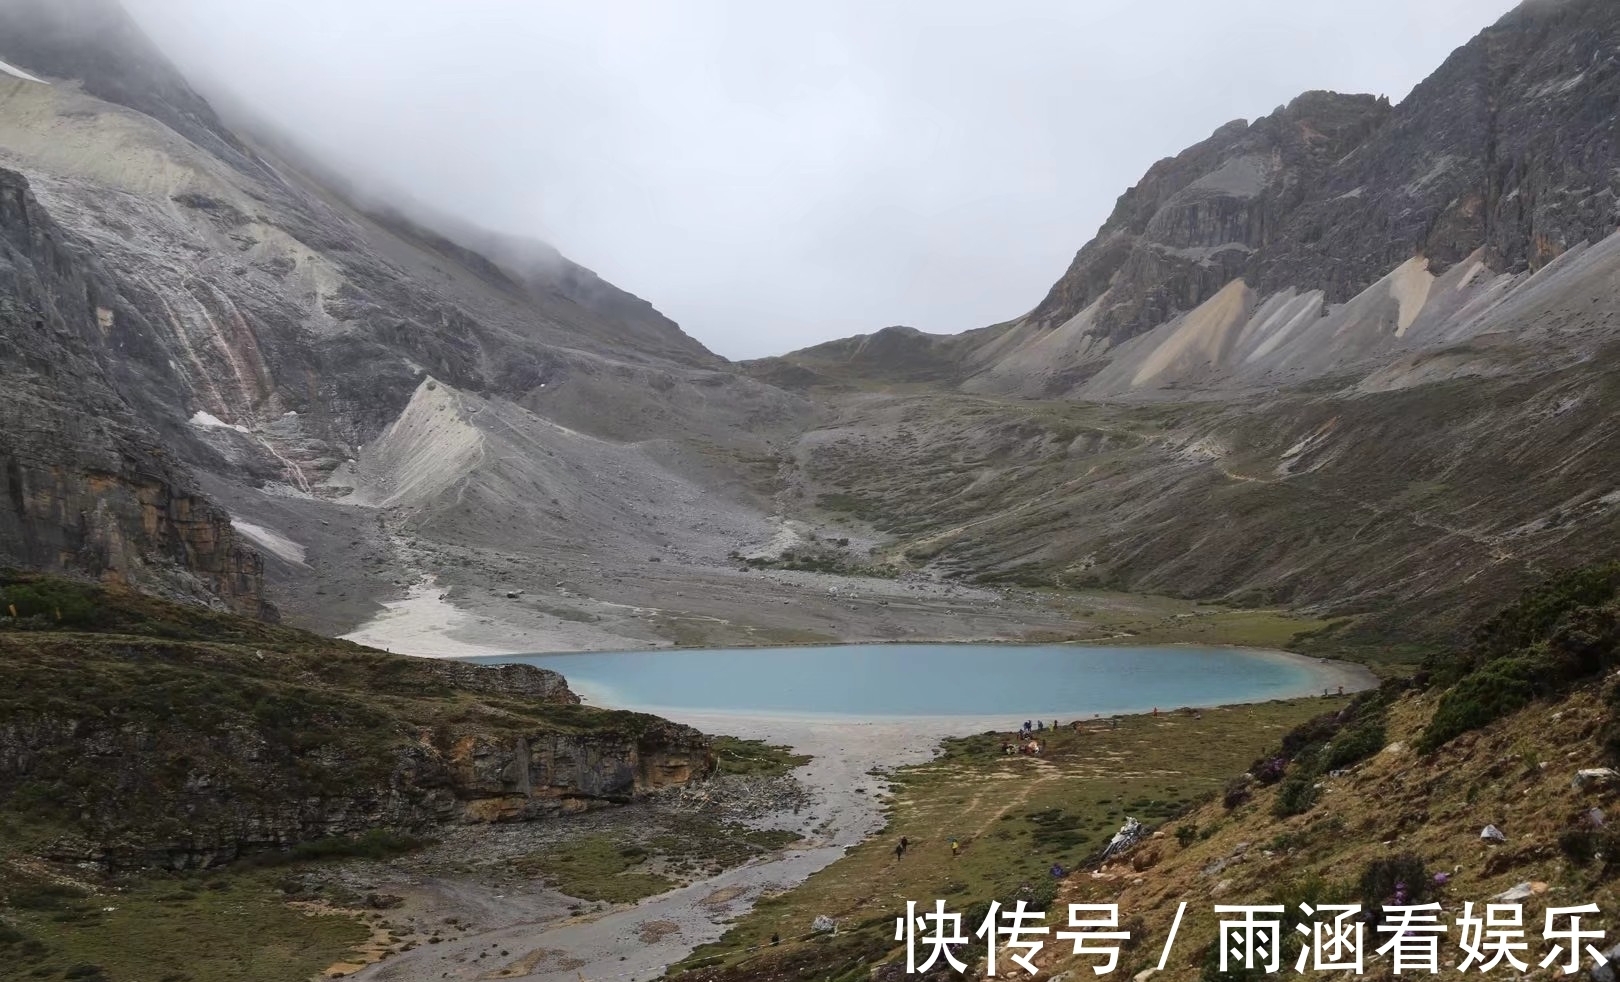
(774,175)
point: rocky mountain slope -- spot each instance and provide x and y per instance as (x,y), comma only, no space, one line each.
(1354,355)
(1514,733)
(1350,354)
(260,329)
(89,484)
(137,733)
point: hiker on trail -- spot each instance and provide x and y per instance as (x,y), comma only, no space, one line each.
(1155,710)
(1054,724)
(899,850)
(776,938)
(1341,690)
(956,848)
(1058,872)
(905,843)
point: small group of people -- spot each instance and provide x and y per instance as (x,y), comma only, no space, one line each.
(1029,728)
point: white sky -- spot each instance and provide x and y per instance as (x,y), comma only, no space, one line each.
(775,173)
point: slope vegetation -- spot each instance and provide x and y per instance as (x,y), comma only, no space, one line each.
(1374,801)
(138,733)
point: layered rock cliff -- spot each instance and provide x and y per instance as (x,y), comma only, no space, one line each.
(1196,221)
(134,743)
(89,487)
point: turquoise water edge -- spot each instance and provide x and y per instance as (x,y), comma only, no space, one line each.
(901,680)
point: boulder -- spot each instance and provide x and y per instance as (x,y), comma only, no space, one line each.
(1595,778)
(1606,971)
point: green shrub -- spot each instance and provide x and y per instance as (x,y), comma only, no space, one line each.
(1354,744)
(1540,609)
(1236,793)
(57,603)
(1295,795)
(1397,879)
(1503,686)
(1579,846)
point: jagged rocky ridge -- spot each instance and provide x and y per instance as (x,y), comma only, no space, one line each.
(1251,256)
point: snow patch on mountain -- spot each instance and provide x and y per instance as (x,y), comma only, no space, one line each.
(16,72)
(270,540)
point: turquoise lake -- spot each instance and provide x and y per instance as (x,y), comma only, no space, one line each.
(886,680)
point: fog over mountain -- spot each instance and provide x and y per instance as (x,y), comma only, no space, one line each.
(776,175)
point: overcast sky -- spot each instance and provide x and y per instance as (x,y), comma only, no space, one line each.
(770,173)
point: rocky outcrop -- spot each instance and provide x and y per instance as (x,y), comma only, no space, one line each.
(540,776)
(88,487)
(1196,221)
(511,681)
(185,755)
(221,813)
(1507,148)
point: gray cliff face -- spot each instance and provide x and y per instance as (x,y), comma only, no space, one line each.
(265,328)
(1196,221)
(88,486)
(1509,147)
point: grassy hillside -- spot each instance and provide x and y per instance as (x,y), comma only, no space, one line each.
(1412,514)
(1335,806)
